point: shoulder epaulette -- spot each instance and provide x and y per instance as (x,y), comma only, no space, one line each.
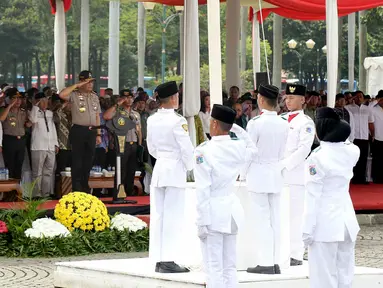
(234,138)
(285,113)
(203,144)
(308,117)
(179,115)
(256,117)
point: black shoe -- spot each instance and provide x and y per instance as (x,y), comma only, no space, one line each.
(157,267)
(170,267)
(277,269)
(261,270)
(295,262)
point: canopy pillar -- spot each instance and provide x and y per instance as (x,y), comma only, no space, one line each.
(60,46)
(191,81)
(114,48)
(277,50)
(141,43)
(351,51)
(332,50)
(233,20)
(362,52)
(256,50)
(84,35)
(215,61)
(244,21)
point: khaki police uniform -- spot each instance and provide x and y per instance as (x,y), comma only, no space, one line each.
(129,160)
(14,141)
(84,109)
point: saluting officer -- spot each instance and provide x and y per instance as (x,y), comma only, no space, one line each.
(14,119)
(133,138)
(85,110)
(170,144)
(298,147)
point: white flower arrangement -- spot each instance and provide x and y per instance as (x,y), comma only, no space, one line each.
(126,221)
(48,228)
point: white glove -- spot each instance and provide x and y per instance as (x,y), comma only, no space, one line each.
(308,239)
(202,232)
(236,129)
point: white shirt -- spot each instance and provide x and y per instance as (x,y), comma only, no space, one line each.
(205,119)
(362,117)
(269,134)
(218,164)
(42,139)
(169,142)
(298,146)
(377,115)
(328,205)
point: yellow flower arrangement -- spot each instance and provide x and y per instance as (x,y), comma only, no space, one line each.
(78,210)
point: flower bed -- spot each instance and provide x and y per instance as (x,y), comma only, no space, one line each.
(82,226)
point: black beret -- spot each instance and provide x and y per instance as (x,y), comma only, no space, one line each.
(327,113)
(85,75)
(380,95)
(269,91)
(40,95)
(167,89)
(223,113)
(295,89)
(140,97)
(314,93)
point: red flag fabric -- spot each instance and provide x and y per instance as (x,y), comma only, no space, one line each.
(67,4)
(299,9)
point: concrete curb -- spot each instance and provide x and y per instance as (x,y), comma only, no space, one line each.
(370,219)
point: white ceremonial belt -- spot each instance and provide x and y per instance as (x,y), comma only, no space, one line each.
(168,155)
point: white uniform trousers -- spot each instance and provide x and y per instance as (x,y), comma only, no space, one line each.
(266,217)
(219,260)
(331,264)
(167,207)
(43,164)
(297,200)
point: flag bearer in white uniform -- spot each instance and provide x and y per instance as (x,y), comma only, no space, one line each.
(219,212)
(169,142)
(265,181)
(330,225)
(298,147)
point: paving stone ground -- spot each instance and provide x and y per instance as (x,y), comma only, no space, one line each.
(38,272)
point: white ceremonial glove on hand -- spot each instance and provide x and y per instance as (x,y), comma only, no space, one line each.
(202,232)
(236,129)
(308,239)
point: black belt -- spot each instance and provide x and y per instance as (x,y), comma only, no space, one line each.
(91,128)
(14,137)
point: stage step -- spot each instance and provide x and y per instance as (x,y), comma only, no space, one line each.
(139,273)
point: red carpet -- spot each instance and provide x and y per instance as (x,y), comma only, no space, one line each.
(364,197)
(367,197)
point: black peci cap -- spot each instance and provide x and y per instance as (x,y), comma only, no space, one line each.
(223,113)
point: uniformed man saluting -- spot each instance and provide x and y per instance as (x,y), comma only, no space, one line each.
(85,110)
(14,120)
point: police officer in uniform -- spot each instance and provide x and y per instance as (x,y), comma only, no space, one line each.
(85,110)
(14,120)
(298,147)
(133,138)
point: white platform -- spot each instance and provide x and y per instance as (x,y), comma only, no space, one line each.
(139,273)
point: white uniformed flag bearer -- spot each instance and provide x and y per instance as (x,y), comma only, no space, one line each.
(298,147)
(330,225)
(265,181)
(219,212)
(169,142)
